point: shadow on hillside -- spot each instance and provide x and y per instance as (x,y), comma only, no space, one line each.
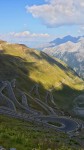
(35,55)
(49,59)
(15,67)
(2,51)
(66,96)
(53,61)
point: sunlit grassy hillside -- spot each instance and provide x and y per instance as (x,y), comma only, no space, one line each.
(30,66)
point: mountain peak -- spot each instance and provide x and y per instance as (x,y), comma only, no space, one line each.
(65,39)
(71,51)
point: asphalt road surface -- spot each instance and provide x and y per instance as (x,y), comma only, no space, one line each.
(67,124)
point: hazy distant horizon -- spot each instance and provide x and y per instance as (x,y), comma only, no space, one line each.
(37,22)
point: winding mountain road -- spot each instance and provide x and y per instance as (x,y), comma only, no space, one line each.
(68,124)
(48,109)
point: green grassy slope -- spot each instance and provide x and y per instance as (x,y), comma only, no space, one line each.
(29,67)
(27,136)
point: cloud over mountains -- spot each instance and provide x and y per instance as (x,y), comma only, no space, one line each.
(56,13)
(25,36)
(28,34)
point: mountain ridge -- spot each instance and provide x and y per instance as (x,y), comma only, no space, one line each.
(69,52)
(65,39)
(60,40)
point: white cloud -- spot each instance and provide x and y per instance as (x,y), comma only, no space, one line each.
(28,34)
(59,12)
(27,37)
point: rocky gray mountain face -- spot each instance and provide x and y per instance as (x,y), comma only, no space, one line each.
(70,52)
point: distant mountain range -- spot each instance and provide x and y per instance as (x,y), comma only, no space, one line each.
(70,50)
(59,41)
(65,39)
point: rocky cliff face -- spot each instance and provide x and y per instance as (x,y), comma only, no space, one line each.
(70,52)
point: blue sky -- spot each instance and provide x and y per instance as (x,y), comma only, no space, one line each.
(38,21)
